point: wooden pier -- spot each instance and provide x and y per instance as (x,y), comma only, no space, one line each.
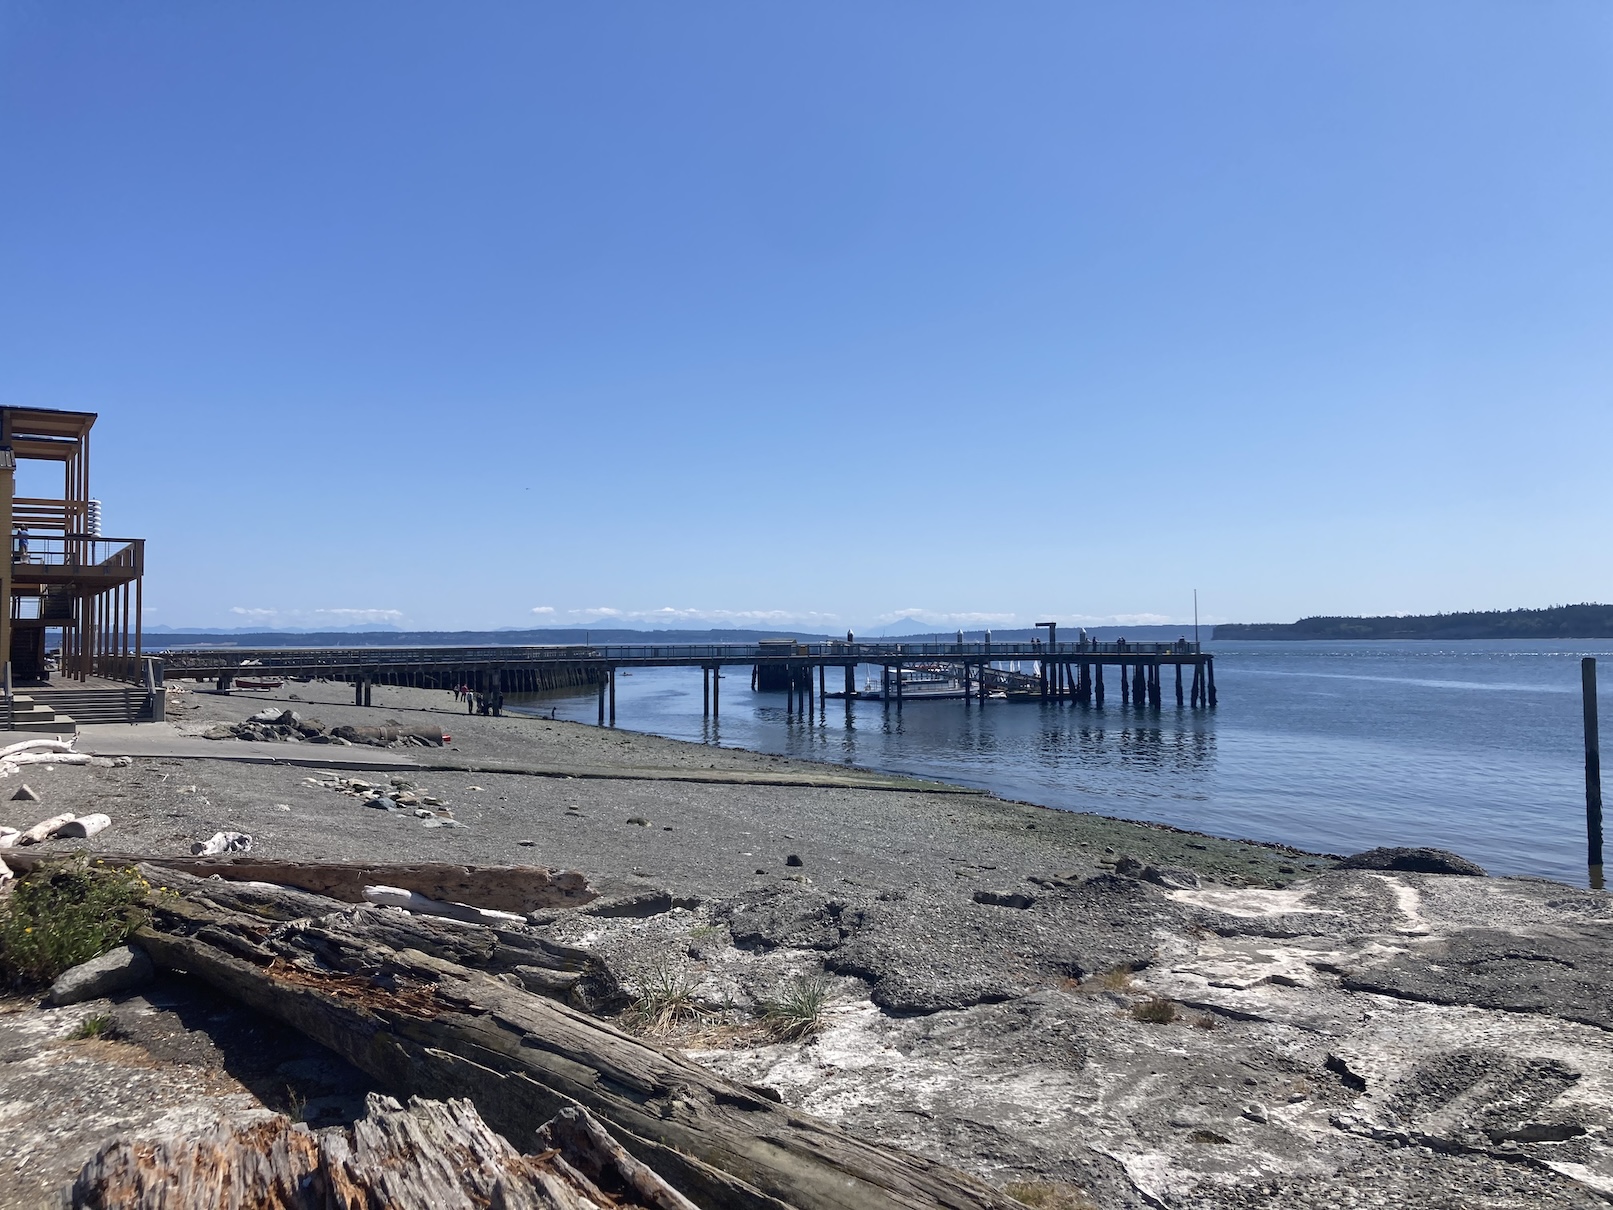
(1067,672)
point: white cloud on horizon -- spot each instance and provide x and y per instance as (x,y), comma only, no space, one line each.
(340,616)
(669,615)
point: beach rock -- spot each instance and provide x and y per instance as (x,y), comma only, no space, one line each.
(118,970)
(1128,866)
(1413,861)
(222,842)
(219,731)
(1011,899)
(382,803)
(1171,877)
(24,794)
(639,820)
(792,860)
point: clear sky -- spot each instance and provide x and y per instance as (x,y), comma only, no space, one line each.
(478,315)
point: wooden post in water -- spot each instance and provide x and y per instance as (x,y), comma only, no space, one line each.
(1098,687)
(1209,678)
(1197,686)
(602,699)
(613,697)
(851,680)
(705,692)
(1125,685)
(716,690)
(1178,685)
(1593,773)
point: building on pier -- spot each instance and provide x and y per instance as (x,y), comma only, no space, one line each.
(65,586)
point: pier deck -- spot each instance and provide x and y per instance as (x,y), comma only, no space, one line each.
(1072,671)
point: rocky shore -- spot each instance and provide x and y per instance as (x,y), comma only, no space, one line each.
(1090,1011)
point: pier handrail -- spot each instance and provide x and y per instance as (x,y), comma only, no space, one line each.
(833,651)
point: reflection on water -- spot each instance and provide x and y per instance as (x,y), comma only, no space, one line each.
(1471,746)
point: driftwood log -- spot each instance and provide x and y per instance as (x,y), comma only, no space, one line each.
(430,1156)
(400,998)
(504,888)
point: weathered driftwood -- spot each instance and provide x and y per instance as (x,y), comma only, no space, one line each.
(41,830)
(504,888)
(562,972)
(427,1026)
(414,901)
(83,827)
(430,1156)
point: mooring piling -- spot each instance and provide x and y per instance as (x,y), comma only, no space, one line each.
(1593,773)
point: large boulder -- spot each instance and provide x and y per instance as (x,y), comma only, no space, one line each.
(1413,861)
(119,970)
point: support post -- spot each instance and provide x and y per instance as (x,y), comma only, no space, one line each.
(716,691)
(366,691)
(358,690)
(602,698)
(1125,685)
(823,683)
(1209,678)
(1099,686)
(613,697)
(705,692)
(1593,773)
(1178,686)
(851,680)
(898,685)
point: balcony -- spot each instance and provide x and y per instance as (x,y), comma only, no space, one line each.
(95,562)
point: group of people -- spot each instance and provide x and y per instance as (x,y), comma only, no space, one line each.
(477,702)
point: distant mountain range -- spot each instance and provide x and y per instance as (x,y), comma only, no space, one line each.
(1558,622)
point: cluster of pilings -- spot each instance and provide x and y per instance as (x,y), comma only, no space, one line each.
(1141,682)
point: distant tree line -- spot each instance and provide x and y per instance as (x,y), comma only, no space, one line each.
(1558,622)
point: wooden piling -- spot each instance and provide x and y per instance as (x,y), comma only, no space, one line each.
(716,691)
(1178,686)
(705,692)
(1593,773)
(1098,684)
(613,697)
(602,679)
(1209,678)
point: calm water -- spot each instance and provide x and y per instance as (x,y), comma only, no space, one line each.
(1472,746)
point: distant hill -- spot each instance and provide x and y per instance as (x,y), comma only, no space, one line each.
(1558,622)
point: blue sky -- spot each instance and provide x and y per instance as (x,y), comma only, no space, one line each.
(451,315)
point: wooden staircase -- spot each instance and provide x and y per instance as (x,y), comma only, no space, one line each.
(64,710)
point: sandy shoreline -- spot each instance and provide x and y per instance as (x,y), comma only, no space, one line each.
(985,958)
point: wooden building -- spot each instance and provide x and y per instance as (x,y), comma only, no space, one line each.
(65,586)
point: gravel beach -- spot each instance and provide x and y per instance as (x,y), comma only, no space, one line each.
(1094,1010)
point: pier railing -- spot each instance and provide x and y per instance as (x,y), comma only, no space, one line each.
(830,652)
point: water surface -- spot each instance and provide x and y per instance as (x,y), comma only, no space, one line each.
(1474,746)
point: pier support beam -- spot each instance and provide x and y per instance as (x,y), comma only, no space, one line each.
(613,697)
(1178,686)
(602,699)
(1209,678)
(705,692)
(1098,686)
(851,680)
(1125,685)
(716,691)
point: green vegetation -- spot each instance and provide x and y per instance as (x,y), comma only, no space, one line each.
(1558,622)
(1156,1010)
(97,1025)
(665,1001)
(64,913)
(798,1013)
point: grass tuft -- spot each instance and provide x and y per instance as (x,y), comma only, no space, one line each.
(1156,1010)
(1049,1195)
(798,1013)
(664,1002)
(63,913)
(97,1025)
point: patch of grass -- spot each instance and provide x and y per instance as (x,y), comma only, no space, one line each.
(1156,1010)
(665,1001)
(798,1013)
(1206,1021)
(97,1025)
(1116,979)
(1049,1195)
(63,913)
